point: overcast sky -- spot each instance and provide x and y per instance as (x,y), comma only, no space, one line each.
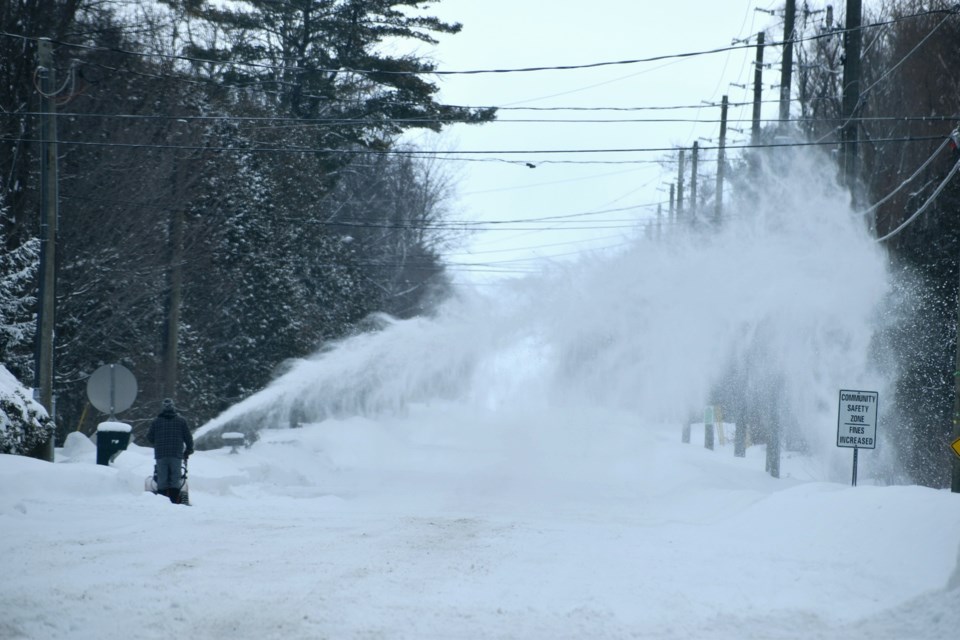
(510,34)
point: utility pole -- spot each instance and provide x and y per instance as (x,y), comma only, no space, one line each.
(757,90)
(672,215)
(786,67)
(680,185)
(694,161)
(174,298)
(171,336)
(721,157)
(43,365)
(849,133)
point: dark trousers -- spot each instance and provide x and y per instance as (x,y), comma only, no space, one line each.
(169,473)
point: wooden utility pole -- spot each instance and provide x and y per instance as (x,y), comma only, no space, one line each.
(850,130)
(721,157)
(774,431)
(757,90)
(694,162)
(680,170)
(49,199)
(773,447)
(171,336)
(786,67)
(672,217)
(174,299)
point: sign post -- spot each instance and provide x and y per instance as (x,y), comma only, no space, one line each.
(857,422)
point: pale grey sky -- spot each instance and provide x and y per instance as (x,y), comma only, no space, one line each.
(509,34)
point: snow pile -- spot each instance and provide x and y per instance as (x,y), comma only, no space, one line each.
(77,447)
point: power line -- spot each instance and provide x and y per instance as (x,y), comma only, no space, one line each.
(532,247)
(442,154)
(634,108)
(563,151)
(903,184)
(907,55)
(540,258)
(442,72)
(340,121)
(360,103)
(862,94)
(460,225)
(925,205)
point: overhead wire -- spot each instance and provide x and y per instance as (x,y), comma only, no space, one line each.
(534,185)
(464,225)
(289,121)
(567,67)
(910,179)
(441,72)
(443,154)
(532,247)
(863,93)
(905,57)
(926,205)
(557,67)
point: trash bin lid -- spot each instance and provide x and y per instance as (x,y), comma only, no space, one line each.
(119,427)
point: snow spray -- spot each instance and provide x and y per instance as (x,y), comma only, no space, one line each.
(767,312)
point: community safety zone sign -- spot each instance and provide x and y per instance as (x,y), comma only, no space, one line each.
(857,419)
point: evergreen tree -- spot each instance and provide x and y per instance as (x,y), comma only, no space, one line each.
(323,59)
(17,324)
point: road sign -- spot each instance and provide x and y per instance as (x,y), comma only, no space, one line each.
(112,388)
(955,445)
(857,419)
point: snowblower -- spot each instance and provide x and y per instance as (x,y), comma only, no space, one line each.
(177,495)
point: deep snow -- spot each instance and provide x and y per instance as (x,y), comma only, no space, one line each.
(425,527)
(512,468)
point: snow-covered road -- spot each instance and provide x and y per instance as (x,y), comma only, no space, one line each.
(361,529)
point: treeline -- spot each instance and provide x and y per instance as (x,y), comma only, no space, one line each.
(231,191)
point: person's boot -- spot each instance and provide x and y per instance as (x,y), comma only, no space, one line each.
(175,496)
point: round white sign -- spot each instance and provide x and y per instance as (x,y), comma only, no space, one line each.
(112,388)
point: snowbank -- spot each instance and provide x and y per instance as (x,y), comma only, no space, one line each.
(450,524)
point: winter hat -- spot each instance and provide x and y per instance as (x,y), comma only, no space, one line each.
(168,404)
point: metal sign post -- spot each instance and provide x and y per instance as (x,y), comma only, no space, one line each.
(857,422)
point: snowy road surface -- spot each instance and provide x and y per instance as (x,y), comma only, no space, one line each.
(410,529)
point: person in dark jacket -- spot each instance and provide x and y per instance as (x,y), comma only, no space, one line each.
(172,442)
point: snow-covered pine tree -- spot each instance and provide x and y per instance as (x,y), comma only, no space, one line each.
(23,422)
(18,270)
